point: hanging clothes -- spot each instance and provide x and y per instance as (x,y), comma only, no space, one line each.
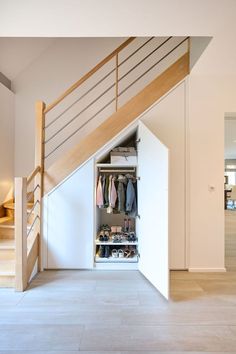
(121,193)
(112,194)
(99,196)
(106,191)
(131,203)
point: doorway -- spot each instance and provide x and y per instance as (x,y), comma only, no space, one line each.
(230,191)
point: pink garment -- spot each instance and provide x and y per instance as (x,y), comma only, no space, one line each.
(112,194)
(99,197)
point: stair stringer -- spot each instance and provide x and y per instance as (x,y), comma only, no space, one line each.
(115,124)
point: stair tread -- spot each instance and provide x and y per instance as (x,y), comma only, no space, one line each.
(12,206)
(7,268)
(7,244)
(6,222)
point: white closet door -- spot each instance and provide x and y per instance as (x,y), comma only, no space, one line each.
(152,227)
(70,221)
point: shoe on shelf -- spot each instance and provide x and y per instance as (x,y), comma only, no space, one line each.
(105,227)
(113,229)
(106,238)
(101,238)
(120,253)
(101,251)
(107,252)
(114,253)
(132,251)
(131,237)
(119,229)
(127,253)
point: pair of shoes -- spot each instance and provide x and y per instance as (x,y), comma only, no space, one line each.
(104,251)
(105,227)
(129,252)
(117,253)
(104,236)
(116,229)
(131,237)
(117,238)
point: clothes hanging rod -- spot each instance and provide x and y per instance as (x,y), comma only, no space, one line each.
(117,171)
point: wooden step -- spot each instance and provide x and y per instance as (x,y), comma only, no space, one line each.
(7,281)
(7,268)
(7,249)
(11,206)
(7,274)
(7,228)
(10,209)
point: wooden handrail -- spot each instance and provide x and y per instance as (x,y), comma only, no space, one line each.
(33,174)
(90,73)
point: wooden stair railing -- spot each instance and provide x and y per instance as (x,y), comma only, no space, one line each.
(28,240)
(27,237)
(149,53)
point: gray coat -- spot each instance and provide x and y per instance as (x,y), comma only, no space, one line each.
(131,203)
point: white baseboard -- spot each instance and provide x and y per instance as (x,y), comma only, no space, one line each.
(207,270)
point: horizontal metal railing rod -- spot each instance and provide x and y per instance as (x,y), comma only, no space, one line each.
(158,62)
(32,209)
(104,92)
(98,83)
(32,225)
(32,192)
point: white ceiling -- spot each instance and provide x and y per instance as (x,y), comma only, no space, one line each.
(16,54)
(230,136)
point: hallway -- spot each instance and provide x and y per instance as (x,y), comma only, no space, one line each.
(119,312)
(230,240)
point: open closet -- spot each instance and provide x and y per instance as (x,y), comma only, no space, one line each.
(112,213)
(116,242)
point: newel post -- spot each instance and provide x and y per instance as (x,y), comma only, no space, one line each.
(21,233)
(39,161)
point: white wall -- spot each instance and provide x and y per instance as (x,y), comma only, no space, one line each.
(167,120)
(45,79)
(6,143)
(209,98)
(71,18)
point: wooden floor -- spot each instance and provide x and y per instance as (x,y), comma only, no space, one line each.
(102,312)
(119,312)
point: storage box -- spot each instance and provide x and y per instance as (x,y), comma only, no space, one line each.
(123,158)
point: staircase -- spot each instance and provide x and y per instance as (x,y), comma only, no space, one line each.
(7,242)
(7,251)
(74,127)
